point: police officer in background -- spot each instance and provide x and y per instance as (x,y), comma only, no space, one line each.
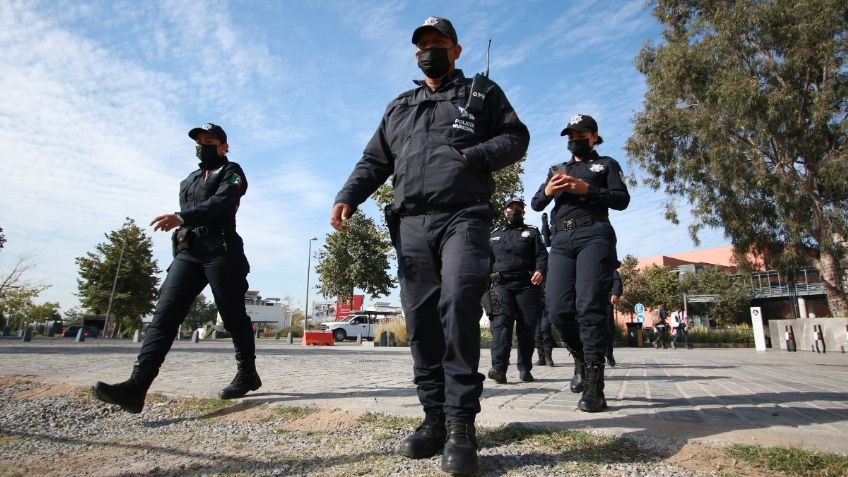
(207,250)
(518,263)
(440,155)
(615,295)
(544,337)
(583,254)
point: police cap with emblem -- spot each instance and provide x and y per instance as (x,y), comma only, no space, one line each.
(441,25)
(514,200)
(216,131)
(582,123)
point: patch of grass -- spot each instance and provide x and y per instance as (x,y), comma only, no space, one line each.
(157,397)
(293,413)
(7,439)
(194,405)
(791,461)
(579,445)
(386,421)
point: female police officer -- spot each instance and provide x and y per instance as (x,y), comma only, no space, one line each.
(207,250)
(583,255)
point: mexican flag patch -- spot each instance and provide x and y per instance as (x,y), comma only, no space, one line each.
(235,179)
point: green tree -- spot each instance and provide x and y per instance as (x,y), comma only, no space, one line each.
(17,292)
(635,287)
(2,238)
(136,289)
(356,259)
(733,296)
(202,311)
(73,316)
(663,287)
(745,118)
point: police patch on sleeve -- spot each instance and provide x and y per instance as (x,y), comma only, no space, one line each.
(526,233)
(596,168)
(235,180)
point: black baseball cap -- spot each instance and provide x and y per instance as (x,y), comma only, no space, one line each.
(514,200)
(441,25)
(213,129)
(582,123)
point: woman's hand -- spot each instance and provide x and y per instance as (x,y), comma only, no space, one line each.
(565,183)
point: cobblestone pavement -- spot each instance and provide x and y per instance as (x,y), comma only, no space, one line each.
(713,396)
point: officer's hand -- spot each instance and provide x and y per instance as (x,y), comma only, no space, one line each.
(338,216)
(537,278)
(495,277)
(165,222)
(558,183)
(614,299)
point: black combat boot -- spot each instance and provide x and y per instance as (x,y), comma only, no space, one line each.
(549,356)
(460,456)
(427,440)
(246,380)
(610,358)
(526,376)
(497,376)
(593,399)
(130,393)
(541,361)
(577,381)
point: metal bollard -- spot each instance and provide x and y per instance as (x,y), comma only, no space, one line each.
(359,339)
(289,338)
(256,335)
(137,336)
(26,336)
(50,332)
(214,334)
(789,336)
(6,331)
(195,336)
(277,336)
(384,338)
(391,341)
(80,336)
(818,337)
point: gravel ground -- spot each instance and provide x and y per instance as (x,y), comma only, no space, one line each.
(49,429)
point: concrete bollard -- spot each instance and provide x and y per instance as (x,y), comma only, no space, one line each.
(6,331)
(137,336)
(256,335)
(277,336)
(384,338)
(359,339)
(214,335)
(789,336)
(50,332)
(818,339)
(391,342)
(26,336)
(195,336)
(289,338)
(80,336)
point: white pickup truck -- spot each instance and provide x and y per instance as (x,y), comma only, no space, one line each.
(363,323)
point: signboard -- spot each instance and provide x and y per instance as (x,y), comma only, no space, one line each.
(757,325)
(323,311)
(343,309)
(702,298)
(640,318)
(639,308)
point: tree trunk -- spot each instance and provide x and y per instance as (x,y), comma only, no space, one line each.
(833,284)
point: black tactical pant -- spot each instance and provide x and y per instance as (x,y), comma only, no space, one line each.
(580,267)
(187,276)
(443,268)
(544,337)
(611,325)
(522,305)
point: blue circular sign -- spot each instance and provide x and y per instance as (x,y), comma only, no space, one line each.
(639,308)
(640,318)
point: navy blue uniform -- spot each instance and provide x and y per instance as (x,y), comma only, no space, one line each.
(517,252)
(617,290)
(583,254)
(442,234)
(207,251)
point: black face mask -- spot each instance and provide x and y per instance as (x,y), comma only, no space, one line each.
(207,153)
(514,217)
(434,62)
(579,147)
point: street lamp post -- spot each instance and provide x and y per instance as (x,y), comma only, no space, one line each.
(308,269)
(114,284)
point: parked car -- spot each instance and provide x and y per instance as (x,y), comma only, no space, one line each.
(90,331)
(358,323)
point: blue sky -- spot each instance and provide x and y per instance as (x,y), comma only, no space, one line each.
(99,96)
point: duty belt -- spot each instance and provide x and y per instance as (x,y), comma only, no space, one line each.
(577,222)
(515,276)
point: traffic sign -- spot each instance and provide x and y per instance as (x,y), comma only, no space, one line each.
(639,308)
(640,318)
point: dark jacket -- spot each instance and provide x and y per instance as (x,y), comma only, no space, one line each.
(210,197)
(517,248)
(607,190)
(617,287)
(420,143)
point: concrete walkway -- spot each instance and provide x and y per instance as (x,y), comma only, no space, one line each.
(678,396)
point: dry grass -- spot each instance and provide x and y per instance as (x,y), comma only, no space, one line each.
(396,326)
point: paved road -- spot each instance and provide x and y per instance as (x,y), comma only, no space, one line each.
(716,396)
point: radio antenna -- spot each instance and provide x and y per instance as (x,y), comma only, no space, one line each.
(487,57)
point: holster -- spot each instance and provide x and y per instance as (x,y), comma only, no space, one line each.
(392,222)
(491,302)
(181,239)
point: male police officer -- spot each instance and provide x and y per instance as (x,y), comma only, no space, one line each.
(544,336)
(207,250)
(519,260)
(440,155)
